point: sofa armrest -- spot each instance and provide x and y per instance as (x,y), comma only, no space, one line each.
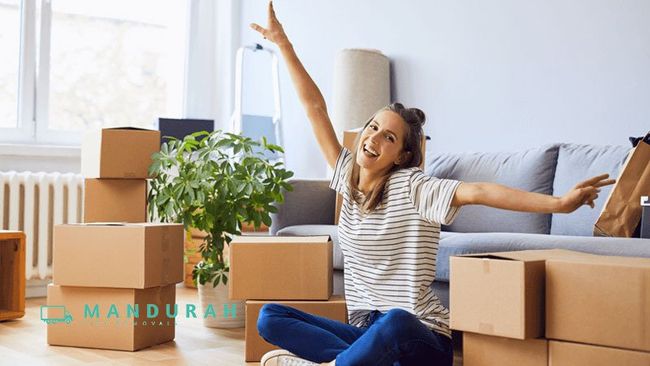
(310,202)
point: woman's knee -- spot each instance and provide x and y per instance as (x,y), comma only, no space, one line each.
(401,321)
(267,319)
(400,315)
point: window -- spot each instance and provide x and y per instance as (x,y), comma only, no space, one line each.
(96,63)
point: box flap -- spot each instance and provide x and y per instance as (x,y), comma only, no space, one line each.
(528,255)
(129,128)
(281,239)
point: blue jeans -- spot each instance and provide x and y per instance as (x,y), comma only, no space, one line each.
(393,338)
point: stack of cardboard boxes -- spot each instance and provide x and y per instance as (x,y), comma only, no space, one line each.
(114,163)
(551,307)
(293,271)
(114,276)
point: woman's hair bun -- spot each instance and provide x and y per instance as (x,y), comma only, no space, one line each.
(419,114)
(410,115)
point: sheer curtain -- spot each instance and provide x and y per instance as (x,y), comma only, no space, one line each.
(213,40)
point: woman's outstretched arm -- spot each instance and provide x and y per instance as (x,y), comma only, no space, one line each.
(499,196)
(310,96)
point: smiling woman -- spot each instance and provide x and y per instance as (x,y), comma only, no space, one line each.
(389,141)
(388,232)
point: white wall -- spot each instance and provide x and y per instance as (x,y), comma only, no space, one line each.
(491,75)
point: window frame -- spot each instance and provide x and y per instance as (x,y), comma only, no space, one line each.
(43,134)
(24,130)
(32,123)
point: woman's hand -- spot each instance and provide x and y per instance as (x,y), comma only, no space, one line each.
(273,31)
(584,193)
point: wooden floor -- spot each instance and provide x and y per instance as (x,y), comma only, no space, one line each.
(23,341)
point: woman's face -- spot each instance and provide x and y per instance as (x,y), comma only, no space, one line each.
(381,143)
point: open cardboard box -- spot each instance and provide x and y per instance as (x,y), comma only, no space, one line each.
(501,294)
(280,268)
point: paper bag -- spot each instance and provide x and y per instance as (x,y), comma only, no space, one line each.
(622,211)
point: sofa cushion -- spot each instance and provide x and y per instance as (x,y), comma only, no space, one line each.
(576,163)
(465,243)
(310,202)
(311,230)
(531,170)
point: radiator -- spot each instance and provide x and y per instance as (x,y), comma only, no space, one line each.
(34,203)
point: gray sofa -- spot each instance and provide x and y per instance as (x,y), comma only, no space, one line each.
(551,169)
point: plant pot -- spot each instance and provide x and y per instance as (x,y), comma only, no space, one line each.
(227,313)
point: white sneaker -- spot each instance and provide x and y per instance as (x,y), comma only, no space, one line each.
(282,357)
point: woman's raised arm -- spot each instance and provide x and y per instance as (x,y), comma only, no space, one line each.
(310,96)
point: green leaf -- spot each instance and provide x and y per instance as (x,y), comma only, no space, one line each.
(200,133)
(266,219)
(249,189)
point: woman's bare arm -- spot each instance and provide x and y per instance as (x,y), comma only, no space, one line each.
(500,196)
(310,96)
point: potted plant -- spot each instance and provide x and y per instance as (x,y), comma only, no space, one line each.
(215,182)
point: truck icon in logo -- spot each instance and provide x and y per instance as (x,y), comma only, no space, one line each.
(52,314)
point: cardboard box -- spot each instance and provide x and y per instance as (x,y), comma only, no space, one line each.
(256,346)
(12,274)
(106,317)
(599,300)
(574,354)
(115,200)
(118,255)
(349,137)
(500,294)
(118,152)
(482,350)
(280,268)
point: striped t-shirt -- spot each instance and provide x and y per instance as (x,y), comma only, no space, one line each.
(390,253)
